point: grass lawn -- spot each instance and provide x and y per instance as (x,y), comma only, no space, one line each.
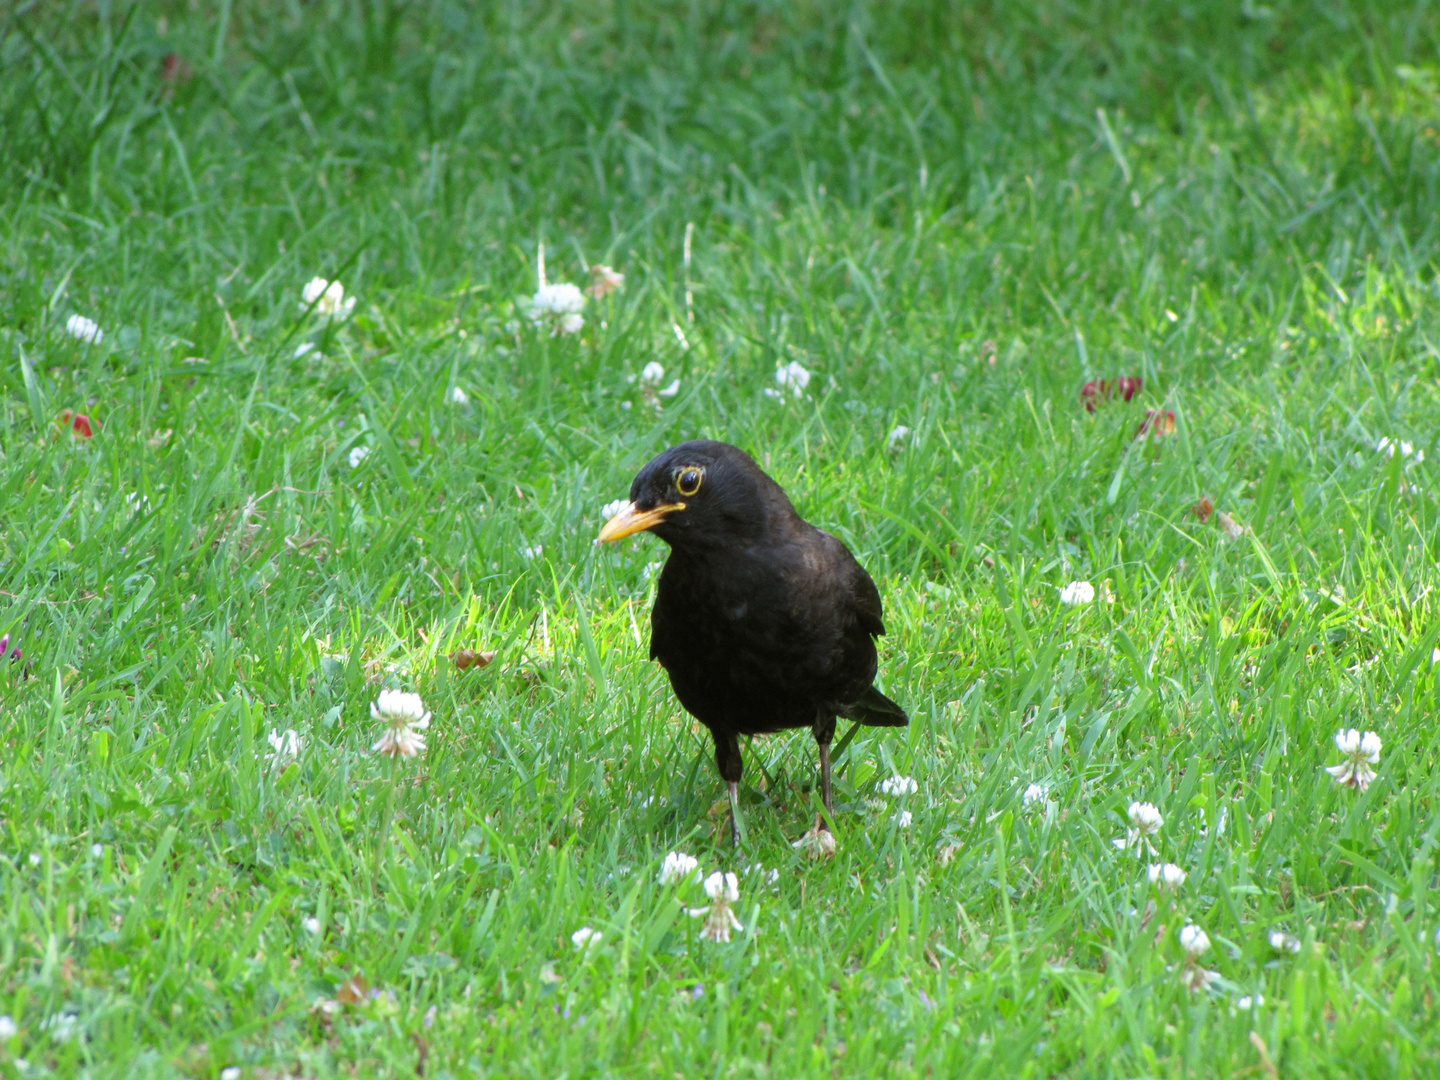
(951,215)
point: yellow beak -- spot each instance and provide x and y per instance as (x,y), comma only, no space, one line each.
(633,520)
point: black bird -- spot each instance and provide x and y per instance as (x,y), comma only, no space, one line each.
(762,621)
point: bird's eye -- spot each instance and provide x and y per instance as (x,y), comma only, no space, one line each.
(689,480)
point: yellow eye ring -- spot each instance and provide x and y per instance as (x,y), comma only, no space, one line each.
(689,480)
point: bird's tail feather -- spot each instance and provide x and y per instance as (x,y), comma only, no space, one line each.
(874,709)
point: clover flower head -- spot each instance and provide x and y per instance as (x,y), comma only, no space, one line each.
(83,329)
(328,299)
(285,748)
(1078,592)
(604,281)
(586,938)
(1249,1001)
(559,305)
(1166,875)
(404,717)
(1194,940)
(723,890)
(653,373)
(357,455)
(458,396)
(1388,448)
(1361,751)
(1145,823)
(1035,795)
(818,843)
(678,867)
(899,435)
(903,819)
(792,379)
(1282,942)
(895,786)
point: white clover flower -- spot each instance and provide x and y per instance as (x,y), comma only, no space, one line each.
(669,391)
(1166,875)
(903,819)
(8,1030)
(1282,942)
(586,938)
(1361,751)
(458,396)
(1194,940)
(610,509)
(405,717)
(792,378)
(357,455)
(1145,823)
(559,305)
(1388,448)
(83,329)
(678,867)
(36,858)
(1078,592)
(533,552)
(896,786)
(653,373)
(97,850)
(286,747)
(304,349)
(311,925)
(1246,1003)
(232,1072)
(328,298)
(898,436)
(1035,795)
(723,890)
(818,843)
(604,281)
(62,1026)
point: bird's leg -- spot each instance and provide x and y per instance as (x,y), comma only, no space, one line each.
(734,786)
(731,766)
(824,730)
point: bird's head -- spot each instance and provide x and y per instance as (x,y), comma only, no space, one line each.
(700,493)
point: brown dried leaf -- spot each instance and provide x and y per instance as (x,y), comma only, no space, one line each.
(1204,508)
(1233,529)
(465,659)
(354,990)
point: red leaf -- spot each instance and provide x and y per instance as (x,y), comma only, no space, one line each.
(1157,424)
(1098,390)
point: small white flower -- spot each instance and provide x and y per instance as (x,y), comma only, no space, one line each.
(610,509)
(678,867)
(533,552)
(62,1026)
(83,329)
(8,1030)
(286,747)
(903,819)
(669,391)
(604,281)
(586,938)
(1361,751)
(1246,1003)
(405,717)
(36,858)
(1078,592)
(792,378)
(768,876)
(304,349)
(559,305)
(1434,657)
(818,843)
(357,455)
(234,1072)
(1282,942)
(97,850)
(311,925)
(724,890)
(653,373)
(1388,448)
(1145,823)
(458,397)
(328,298)
(896,786)
(898,436)
(1166,875)
(1035,795)
(1194,940)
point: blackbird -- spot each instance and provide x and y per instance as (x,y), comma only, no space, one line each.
(762,621)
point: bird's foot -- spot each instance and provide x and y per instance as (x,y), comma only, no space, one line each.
(818,843)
